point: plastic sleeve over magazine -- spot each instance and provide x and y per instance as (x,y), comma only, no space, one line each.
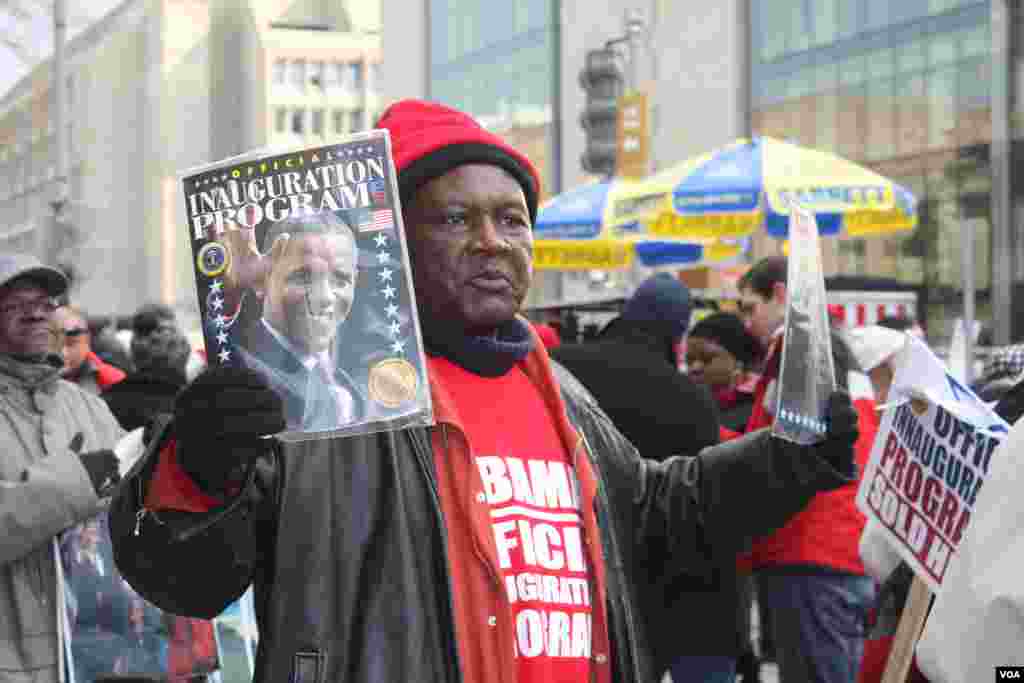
(302,274)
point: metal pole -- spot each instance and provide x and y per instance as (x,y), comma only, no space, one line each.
(967,272)
(1002,238)
(744,97)
(634,24)
(556,180)
(58,88)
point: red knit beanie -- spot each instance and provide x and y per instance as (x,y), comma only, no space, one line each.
(430,139)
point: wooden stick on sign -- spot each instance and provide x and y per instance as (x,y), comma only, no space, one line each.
(907,632)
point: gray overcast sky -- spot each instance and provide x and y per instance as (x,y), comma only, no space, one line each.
(35,34)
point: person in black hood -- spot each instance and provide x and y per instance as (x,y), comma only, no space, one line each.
(631,369)
(160,352)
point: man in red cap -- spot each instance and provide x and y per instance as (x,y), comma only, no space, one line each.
(503,544)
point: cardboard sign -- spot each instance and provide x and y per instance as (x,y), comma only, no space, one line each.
(930,459)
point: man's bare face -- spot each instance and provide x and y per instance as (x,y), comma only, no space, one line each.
(763,315)
(311,288)
(471,246)
(77,342)
(26,311)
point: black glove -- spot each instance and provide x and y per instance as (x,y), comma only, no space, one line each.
(220,419)
(102,469)
(840,436)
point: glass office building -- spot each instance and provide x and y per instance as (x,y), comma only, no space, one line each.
(906,89)
(498,61)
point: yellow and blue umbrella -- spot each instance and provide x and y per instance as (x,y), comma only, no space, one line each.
(573,232)
(733,191)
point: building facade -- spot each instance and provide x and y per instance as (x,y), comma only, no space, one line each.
(160,86)
(916,90)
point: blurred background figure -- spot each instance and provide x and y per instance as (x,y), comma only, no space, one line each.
(811,581)
(81,364)
(631,369)
(875,348)
(107,345)
(903,324)
(160,353)
(721,354)
(1002,371)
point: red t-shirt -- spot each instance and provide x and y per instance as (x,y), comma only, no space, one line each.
(533,495)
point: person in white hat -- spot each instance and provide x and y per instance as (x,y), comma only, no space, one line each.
(55,466)
(874,347)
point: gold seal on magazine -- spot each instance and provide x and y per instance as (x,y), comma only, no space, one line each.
(213,259)
(393,382)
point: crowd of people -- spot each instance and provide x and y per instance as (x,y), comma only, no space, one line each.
(601,511)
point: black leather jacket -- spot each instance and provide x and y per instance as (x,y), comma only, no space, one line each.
(344,543)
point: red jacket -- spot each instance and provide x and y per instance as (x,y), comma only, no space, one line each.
(827,532)
(106,374)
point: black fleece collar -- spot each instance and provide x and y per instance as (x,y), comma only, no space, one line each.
(487,356)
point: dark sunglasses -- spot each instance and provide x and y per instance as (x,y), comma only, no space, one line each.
(76,332)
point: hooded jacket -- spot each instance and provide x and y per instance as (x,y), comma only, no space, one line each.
(347,545)
(44,489)
(631,370)
(143,395)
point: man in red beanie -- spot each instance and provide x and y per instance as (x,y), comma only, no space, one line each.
(503,544)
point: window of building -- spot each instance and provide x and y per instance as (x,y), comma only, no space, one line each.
(942,108)
(848,19)
(851,256)
(826,120)
(938,6)
(316,74)
(280,67)
(881,119)
(355,72)
(851,120)
(340,72)
(356,120)
(852,71)
(375,76)
(317,125)
(879,14)
(339,121)
(941,51)
(911,114)
(299,73)
(281,119)
(912,57)
(976,42)
(826,21)
(299,121)
(974,102)
(331,76)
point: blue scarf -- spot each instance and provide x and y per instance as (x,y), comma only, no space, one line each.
(487,356)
